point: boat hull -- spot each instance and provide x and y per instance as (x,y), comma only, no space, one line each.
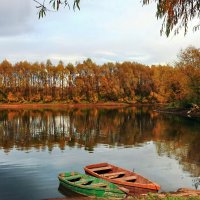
(137,191)
(137,186)
(91,191)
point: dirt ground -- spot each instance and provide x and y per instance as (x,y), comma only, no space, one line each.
(182,192)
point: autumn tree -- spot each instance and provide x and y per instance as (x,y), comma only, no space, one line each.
(144,82)
(109,88)
(127,80)
(189,64)
(5,78)
(71,81)
(176,14)
(85,81)
(168,84)
(60,70)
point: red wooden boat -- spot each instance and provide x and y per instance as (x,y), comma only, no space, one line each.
(134,183)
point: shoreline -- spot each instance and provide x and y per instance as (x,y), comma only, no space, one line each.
(181,194)
(62,105)
(56,105)
(178,111)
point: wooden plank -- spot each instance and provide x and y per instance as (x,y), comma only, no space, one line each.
(84,181)
(101,168)
(72,177)
(128,178)
(113,174)
(99,185)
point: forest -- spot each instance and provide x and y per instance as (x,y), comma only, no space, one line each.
(128,82)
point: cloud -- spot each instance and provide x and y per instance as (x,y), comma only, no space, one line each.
(14,17)
(105,31)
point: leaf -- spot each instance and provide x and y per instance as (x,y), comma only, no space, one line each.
(76,4)
(54,5)
(58,3)
(42,12)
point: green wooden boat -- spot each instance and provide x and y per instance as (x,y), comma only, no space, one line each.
(90,186)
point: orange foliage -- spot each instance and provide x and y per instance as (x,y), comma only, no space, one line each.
(11,97)
(87,82)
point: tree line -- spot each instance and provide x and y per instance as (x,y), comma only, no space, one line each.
(88,82)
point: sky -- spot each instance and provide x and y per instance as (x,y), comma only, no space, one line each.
(105,31)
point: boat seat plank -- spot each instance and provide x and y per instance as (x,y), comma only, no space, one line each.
(128,178)
(84,181)
(99,185)
(72,177)
(101,168)
(113,174)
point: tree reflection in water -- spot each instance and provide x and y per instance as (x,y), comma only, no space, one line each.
(127,127)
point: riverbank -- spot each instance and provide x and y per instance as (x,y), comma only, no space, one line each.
(179,111)
(160,107)
(61,105)
(180,194)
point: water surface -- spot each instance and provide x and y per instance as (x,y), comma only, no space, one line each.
(36,145)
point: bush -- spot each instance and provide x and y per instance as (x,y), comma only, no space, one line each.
(47,99)
(11,97)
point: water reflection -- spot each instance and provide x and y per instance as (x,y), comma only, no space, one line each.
(40,129)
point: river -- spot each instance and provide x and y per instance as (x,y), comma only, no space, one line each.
(36,145)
